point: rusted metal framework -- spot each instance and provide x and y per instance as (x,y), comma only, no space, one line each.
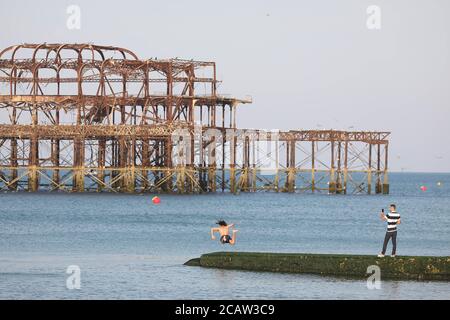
(82,117)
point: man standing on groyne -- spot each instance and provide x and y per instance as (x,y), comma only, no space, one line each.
(393,219)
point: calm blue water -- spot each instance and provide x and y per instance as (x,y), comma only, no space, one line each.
(126,247)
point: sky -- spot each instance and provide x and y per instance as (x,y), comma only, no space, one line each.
(306,64)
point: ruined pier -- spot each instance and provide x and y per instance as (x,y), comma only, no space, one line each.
(83,117)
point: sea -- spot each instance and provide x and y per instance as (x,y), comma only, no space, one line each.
(56,245)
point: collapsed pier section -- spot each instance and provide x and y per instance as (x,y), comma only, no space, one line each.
(82,117)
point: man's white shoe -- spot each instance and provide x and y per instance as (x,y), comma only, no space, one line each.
(393,256)
(381,255)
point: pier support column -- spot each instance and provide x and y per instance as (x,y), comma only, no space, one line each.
(291,167)
(378,186)
(13,159)
(369,171)
(332,182)
(13,163)
(130,168)
(277,167)
(130,179)
(339,172)
(194,180)
(33,178)
(145,164)
(212,178)
(245,174)
(253,165)
(122,182)
(345,166)
(101,164)
(233,178)
(78,165)
(212,165)
(114,162)
(233,142)
(223,149)
(385,178)
(55,152)
(181,179)
(313,169)
(159,162)
(202,171)
(168,185)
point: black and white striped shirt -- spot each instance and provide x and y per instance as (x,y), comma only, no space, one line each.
(392,219)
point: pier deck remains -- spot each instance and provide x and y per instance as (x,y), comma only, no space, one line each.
(83,117)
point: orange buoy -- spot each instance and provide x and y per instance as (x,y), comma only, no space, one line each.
(156,200)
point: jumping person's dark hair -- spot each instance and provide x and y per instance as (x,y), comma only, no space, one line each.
(221,223)
(393,205)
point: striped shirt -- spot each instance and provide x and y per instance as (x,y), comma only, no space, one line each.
(392,219)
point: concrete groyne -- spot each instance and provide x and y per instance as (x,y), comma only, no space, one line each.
(355,266)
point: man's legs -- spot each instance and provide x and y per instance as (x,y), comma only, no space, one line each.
(394,242)
(386,240)
(233,237)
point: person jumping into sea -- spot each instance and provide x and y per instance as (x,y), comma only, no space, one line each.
(224,231)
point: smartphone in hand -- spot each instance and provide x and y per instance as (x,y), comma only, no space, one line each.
(382,216)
